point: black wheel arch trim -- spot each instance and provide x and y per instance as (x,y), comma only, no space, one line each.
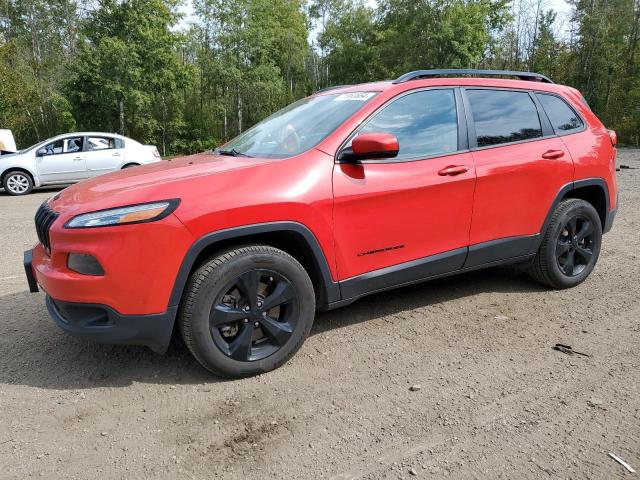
(331,288)
(576,184)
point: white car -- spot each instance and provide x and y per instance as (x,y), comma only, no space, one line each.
(70,158)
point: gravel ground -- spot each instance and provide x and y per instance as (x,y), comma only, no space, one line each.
(455,377)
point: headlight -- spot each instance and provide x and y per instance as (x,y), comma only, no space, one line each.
(145,212)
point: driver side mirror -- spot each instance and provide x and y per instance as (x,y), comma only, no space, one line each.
(368,146)
(41,152)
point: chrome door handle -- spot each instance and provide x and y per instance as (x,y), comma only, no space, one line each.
(115,154)
(77,159)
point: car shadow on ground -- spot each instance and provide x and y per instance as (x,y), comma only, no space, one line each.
(34,352)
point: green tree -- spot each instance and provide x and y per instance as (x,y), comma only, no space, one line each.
(250,61)
(37,42)
(128,74)
(351,43)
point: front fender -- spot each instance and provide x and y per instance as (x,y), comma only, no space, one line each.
(18,163)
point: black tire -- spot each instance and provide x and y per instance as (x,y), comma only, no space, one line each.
(574,232)
(129,165)
(17,182)
(216,300)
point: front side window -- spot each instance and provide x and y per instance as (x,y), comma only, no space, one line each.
(64,145)
(502,116)
(54,148)
(298,127)
(561,115)
(72,145)
(425,123)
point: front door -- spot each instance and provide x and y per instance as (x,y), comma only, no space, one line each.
(62,162)
(413,208)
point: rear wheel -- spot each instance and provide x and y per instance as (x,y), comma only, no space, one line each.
(247,311)
(570,247)
(17,182)
(129,165)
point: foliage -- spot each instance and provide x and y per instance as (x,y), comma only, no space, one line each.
(133,66)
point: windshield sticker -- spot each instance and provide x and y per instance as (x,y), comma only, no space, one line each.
(357,96)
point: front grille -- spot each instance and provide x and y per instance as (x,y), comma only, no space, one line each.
(44,219)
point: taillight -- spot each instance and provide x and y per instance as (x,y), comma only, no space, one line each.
(613,136)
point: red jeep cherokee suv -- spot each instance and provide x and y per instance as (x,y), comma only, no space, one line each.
(345,193)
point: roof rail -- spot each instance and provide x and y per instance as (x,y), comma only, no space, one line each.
(328,89)
(535,77)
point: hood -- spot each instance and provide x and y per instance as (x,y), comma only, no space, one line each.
(154,181)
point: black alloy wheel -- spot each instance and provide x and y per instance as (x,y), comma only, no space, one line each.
(255,317)
(574,248)
(247,310)
(570,246)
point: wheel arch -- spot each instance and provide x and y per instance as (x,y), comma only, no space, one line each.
(291,237)
(6,171)
(592,190)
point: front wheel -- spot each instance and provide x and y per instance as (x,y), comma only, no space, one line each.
(570,246)
(17,182)
(247,311)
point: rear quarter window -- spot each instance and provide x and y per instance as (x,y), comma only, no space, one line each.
(562,117)
(503,116)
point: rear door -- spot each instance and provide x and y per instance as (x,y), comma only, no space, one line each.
(520,165)
(392,211)
(103,154)
(63,161)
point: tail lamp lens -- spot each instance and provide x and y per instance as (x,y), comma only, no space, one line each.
(85,264)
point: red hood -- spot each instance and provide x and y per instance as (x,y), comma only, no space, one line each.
(155,181)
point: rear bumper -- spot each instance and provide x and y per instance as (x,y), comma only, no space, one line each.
(102,324)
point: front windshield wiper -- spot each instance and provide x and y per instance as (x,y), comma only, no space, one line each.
(231,153)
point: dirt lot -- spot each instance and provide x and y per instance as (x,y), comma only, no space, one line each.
(495,400)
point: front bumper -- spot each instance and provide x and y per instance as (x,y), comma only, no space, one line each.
(102,324)
(28,270)
(140,264)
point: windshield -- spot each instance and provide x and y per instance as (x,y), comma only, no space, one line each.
(298,127)
(28,149)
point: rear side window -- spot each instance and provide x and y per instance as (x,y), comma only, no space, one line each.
(561,115)
(502,116)
(100,143)
(424,122)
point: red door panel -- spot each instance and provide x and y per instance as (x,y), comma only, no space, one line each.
(516,186)
(390,213)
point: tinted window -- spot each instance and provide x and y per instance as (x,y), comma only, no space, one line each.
(502,116)
(425,123)
(562,117)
